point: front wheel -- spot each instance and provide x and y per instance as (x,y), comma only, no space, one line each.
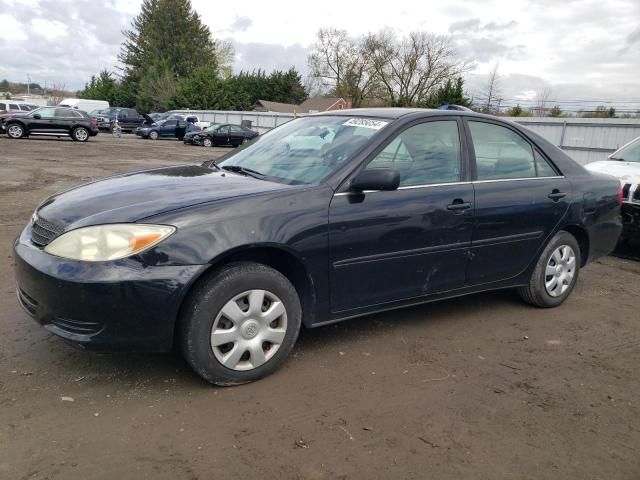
(555,274)
(80,134)
(153,135)
(15,131)
(240,324)
(207,142)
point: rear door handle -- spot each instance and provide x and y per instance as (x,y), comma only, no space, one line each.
(556,195)
(459,204)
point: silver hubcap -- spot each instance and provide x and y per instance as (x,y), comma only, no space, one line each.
(153,135)
(14,131)
(81,134)
(561,268)
(207,142)
(249,330)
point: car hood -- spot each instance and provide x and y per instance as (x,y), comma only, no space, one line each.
(132,197)
(626,172)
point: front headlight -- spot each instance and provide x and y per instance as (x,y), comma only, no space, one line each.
(108,242)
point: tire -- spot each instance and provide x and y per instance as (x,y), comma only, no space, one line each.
(542,291)
(153,135)
(207,142)
(80,134)
(223,302)
(15,131)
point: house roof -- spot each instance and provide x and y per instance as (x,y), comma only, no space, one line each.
(319,104)
(280,107)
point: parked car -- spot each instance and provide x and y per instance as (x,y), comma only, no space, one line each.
(328,217)
(84,104)
(128,118)
(172,128)
(16,106)
(624,164)
(195,137)
(53,122)
(219,135)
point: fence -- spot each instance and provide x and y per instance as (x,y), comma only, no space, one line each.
(584,139)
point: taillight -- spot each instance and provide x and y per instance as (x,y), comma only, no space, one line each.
(620,194)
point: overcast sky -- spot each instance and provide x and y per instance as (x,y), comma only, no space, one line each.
(581,49)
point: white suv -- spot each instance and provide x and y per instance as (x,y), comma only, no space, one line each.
(624,164)
(16,106)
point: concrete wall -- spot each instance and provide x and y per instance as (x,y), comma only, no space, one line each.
(584,139)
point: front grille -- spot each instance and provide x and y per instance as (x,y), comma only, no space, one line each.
(28,303)
(78,327)
(44,232)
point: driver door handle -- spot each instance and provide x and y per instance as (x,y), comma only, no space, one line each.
(556,195)
(459,204)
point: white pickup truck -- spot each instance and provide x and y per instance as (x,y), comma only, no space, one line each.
(624,164)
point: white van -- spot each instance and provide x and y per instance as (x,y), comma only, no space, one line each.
(84,104)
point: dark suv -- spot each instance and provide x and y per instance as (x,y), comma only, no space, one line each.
(51,121)
(128,118)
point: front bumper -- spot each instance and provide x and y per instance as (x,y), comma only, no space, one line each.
(121,305)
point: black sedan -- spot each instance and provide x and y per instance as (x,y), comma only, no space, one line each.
(328,217)
(196,138)
(221,135)
(52,122)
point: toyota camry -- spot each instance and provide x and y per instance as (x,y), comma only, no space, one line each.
(328,217)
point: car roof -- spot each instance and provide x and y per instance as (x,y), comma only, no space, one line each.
(395,113)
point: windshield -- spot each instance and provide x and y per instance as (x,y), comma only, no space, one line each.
(305,150)
(211,128)
(630,153)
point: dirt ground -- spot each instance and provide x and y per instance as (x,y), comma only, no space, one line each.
(482,387)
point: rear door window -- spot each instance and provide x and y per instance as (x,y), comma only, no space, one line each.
(501,153)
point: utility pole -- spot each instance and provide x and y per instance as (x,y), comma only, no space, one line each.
(28,83)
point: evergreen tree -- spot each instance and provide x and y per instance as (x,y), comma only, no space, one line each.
(170,32)
(452,92)
(102,87)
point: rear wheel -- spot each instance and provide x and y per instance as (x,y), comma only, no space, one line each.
(207,142)
(15,130)
(555,274)
(240,324)
(80,134)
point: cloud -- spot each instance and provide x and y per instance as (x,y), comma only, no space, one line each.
(241,24)
(266,56)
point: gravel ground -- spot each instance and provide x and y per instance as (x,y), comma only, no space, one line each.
(481,387)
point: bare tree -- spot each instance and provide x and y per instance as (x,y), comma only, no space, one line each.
(340,64)
(57,93)
(542,102)
(225,54)
(491,98)
(410,68)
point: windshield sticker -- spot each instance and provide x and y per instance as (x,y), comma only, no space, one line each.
(365,123)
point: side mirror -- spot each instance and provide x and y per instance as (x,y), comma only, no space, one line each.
(37,116)
(376,179)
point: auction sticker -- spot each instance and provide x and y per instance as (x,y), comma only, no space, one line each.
(365,123)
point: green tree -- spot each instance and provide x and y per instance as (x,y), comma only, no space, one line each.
(515,111)
(556,111)
(452,92)
(102,87)
(4,85)
(167,31)
(156,87)
(203,90)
